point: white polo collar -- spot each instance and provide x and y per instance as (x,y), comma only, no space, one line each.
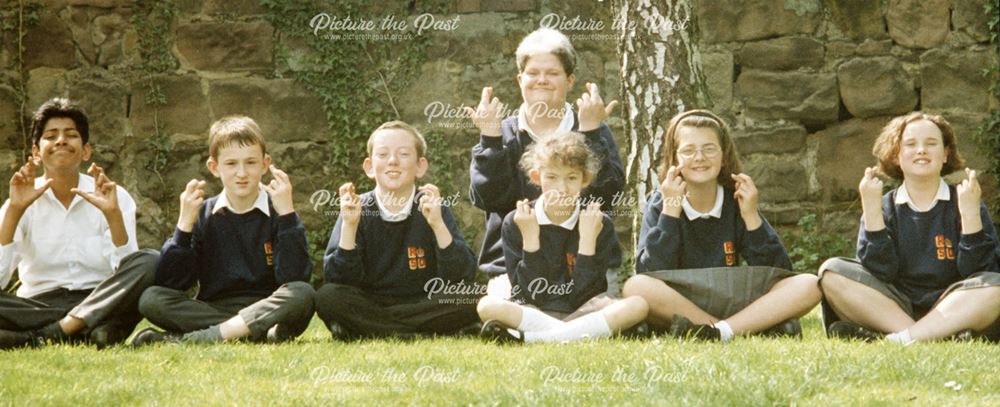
(260,203)
(902,196)
(390,216)
(716,211)
(565,125)
(543,219)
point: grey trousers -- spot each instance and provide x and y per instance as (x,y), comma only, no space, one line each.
(364,314)
(289,309)
(113,303)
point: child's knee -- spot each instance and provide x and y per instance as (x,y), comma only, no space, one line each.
(489,307)
(638,285)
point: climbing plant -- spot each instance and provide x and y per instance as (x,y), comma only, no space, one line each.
(988,134)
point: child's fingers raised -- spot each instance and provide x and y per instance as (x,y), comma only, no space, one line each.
(486,95)
(611,107)
(346,189)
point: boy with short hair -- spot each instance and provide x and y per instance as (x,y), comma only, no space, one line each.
(396,254)
(71,237)
(245,247)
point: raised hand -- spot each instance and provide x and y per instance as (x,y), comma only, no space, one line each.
(673,188)
(350,205)
(969,194)
(22,187)
(488,115)
(591,223)
(430,205)
(525,219)
(105,194)
(747,197)
(592,109)
(280,190)
(870,189)
(191,200)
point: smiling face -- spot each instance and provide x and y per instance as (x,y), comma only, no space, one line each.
(561,186)
(61,147)
(394,163)
(544,81)
(699,154)
(240,167)
(921,150)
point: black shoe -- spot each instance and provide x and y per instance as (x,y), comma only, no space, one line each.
(789,328)
(15,339)
(107,335)
(637,331)
(149,336)
(494,331)
(338,332)
(851,330)
(51,333)
(683,328)
(472,329)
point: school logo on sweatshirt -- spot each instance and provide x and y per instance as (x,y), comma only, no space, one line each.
(730,251)
(570,262)
(417,259)
(269,253)
(944,249)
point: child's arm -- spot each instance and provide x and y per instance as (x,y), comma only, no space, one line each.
(525,262)
(9,257)
(660,240)
(291,249)
(22,194)
(342,263)
(598,251)
(493,170)
(760,243)
(179,260)
(876,245)
(455,259)
(977,248)
(610,180)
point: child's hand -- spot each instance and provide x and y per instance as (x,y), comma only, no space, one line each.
(969,194)
(526,221)
(430,205)
(488,115)
(350,206)
(591,221)
(592,109)
(673,188)
(870,189)
(22,187)
(280,190)
(191,200)
(747,196)
(105,195)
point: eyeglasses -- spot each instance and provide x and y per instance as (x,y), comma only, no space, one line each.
(707,151)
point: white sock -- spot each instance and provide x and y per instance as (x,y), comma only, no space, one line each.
(592,325)
(725,331)
(902,337)
(533,320)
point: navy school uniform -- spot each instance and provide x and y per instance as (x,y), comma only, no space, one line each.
(380,287)
(668,243)
(497,182)
(556,264)
(922,253)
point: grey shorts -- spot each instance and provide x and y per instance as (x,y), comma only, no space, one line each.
(852,269)
(722,291)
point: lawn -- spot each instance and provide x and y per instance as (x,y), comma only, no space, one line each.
(314,370)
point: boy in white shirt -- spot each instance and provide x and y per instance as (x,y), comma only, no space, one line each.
(71,237)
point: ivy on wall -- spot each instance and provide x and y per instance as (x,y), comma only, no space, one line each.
(988,134)
(14,22)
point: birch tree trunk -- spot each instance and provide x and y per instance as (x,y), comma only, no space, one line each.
(661,76)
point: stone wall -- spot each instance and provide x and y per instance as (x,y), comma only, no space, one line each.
(806,83)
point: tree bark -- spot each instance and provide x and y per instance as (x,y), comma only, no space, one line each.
(661,76)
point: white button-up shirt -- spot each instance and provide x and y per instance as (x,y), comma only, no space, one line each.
(903,197)
(58,247)
(716,211)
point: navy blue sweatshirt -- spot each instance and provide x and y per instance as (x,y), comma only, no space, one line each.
(397,258)
(668,243)
(497,182)
(542,278)
(236,254)
(922,253)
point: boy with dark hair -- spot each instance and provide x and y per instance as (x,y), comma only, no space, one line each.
(71,237)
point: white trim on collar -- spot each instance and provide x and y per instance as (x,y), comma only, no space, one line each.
(943,194)
(260,203)
(565,125)
(543,219)
(390,216)
(716,211)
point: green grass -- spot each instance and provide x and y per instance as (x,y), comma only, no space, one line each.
(314,370)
